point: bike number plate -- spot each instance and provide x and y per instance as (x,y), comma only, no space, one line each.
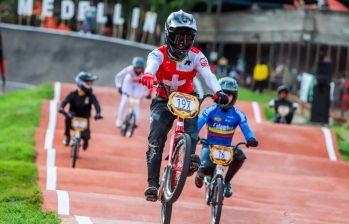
(221,155)
(134,101)
(183,105)
(283,110)
(79,123)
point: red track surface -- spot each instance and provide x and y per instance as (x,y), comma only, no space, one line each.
(289,178)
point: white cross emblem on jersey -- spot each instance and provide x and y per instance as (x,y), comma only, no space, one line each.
(175,83)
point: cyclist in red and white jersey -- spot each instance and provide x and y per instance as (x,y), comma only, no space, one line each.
(174,64)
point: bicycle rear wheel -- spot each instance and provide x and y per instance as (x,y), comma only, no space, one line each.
(177,173)
(131,125)
(75,153)
(166,212)
(217,201)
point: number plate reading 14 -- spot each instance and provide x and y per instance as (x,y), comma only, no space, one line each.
(183,103)
(283,110)
(223,155)
(79,123)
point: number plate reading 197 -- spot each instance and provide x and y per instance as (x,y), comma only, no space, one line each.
(183,103)
(219,154)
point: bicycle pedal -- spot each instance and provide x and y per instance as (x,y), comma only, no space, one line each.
(152,198)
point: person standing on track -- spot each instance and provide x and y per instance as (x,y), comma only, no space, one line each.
(130,87)
(175,64)
(80,101)
(221,122)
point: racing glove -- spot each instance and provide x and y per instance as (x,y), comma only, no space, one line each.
(147,80)
(98,116)
(222,98)
(61,110)
(252,142)
(148,96)
(120,91)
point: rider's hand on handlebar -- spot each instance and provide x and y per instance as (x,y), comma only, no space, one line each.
(61,110)
(98,116)
(222,98)
(147,80)
(252,142)
(120,91)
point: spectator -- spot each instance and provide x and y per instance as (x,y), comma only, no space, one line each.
(223,67)
(241,67)
(299,80)
(260,74)
(298,3)
(255,7)
(90,14)
(325,5)
(279,73)
(345,98)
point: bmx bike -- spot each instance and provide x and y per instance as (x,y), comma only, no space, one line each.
(175,174)
(214,191)
(128,125)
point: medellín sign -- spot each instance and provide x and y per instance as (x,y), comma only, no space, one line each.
(25,7)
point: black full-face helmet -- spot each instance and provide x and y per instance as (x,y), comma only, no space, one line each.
(282,89)
(180,28)
(229,85)
(85,81)
(138,62)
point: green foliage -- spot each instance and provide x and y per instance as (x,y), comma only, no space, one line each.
(20,198)
(342,134)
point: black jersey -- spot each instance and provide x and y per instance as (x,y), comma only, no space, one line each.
(81,105)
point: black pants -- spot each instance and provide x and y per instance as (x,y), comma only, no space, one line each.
(259,85)
(289,118)
(207,166)
(161,121)
(84,135)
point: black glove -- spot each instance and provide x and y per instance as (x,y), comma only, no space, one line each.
(98,116)
(120,91)
(61,110)
(252,142)
(148,96)
(222,98)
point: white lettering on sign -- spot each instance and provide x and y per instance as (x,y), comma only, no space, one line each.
(67,8)
(150,22)
(82,9)
(25,7)
(101,18)
(47,8)
(135,17)
(117,20)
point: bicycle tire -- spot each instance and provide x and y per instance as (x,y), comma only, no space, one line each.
(217,202)
(166,212)
(124,127)
(208,193)
(131,126)
(172,196)
(76,147)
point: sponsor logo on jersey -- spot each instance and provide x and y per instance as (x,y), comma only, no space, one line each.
(222,127)
(187,62)
(209,109)
(218,119)
(153,53)
(242,116)
(226,120)
(230,117)
(203,62)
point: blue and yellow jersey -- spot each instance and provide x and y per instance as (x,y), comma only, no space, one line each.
(221,126)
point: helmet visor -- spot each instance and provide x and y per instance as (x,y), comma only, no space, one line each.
(181,38)
(89,84)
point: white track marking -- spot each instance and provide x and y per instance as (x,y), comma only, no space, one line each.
(83,220)
(51,178)
(329,144)
(51,157)
(257,112)
(63,202)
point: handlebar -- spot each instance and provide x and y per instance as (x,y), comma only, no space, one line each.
(158,84)
(204,141)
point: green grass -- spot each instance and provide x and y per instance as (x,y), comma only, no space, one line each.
(343,144)
(263,99)
(20,198)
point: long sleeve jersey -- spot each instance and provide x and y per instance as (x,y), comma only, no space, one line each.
(221,126)
(81,105)
(129,72)
(179,75)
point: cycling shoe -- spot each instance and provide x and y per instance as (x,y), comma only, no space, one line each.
(195,163)
(151,194)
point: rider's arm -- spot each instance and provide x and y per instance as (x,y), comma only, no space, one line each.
(95,103)
(244,125)
(202,66)
(155,59)
(119,77)
(271,103)
(66,100)
(205,115)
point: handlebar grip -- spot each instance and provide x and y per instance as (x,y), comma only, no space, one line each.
(139,80)
(215,97)
(155,82)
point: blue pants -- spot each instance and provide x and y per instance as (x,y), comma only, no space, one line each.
(89,22)
(207,166)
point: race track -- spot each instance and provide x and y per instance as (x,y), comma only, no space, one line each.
(289,178)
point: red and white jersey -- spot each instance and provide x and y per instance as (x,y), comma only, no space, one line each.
(179,75)
(130,74)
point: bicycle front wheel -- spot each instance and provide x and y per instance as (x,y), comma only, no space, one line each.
(131,125)
(124,127)
(75,153)
(177,173)
(166,212)
(217,201)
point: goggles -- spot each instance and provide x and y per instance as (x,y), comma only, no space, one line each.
(184,39)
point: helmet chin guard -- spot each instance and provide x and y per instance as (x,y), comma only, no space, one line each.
(229,86)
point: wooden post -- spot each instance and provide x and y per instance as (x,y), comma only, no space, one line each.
(150,38)
(298,53)
(215,37)
(347,64)
(307,56)
(271,58)
(243,49)
(28,20)
(19,20)
(338,58)
(120,31)
(144,36)
(258,56)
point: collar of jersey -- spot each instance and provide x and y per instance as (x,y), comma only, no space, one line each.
(169,56)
